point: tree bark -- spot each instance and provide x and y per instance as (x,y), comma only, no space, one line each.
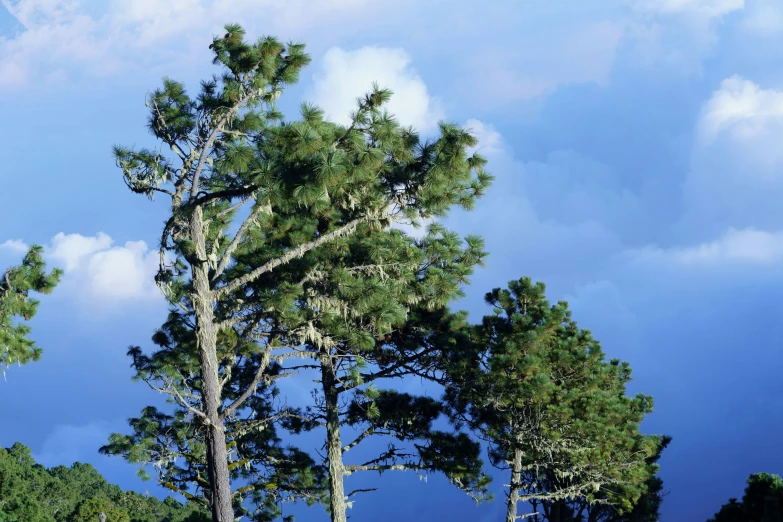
(513,493)
(206,339)
(337,506)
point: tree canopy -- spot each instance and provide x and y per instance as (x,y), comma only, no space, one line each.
(762,501)
(30,492)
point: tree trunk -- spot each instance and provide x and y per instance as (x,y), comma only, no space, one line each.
(334,449)
(558,511)
(513,493)
(206,338)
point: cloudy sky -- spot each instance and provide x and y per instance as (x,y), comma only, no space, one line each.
(636,145)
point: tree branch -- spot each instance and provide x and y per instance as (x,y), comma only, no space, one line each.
(251,388)
(226,259)
(194,187)
(288,256)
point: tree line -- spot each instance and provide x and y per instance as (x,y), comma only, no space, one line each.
(283,259)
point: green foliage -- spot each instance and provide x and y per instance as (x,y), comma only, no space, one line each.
(90,509)
(762,501)
(16,304)
(645,508)
(311,261)
(31,493)
(538,389)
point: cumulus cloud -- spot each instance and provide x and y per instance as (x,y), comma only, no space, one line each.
(15,246)
(97,270)
(742,109)
(347,75)
(736,163)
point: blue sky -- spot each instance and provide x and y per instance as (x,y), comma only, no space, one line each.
(636,146)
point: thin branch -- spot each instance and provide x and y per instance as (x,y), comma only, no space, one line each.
(364,490)
(172,390)
(380,467)
(194,188)
(233,207)
(226,259)
(251,388)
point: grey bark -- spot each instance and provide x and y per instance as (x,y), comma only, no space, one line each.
(206,338)
(513,493)
(337,505)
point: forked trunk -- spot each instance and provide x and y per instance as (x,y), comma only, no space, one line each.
(206,338)
(334,449)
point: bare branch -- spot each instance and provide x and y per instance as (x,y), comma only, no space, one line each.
(170,389)
(364,490)
(381,467)
(251,388)
(194,188)
(226,259)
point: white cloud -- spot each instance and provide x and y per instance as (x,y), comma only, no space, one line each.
(742,109)
(347,75)
(747,246)
(736,172)
(702,8)
(16,246)
(490,141)
(73,249)
(109,274)
(61,39)
(55,34)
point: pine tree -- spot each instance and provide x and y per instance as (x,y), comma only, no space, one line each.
(17,304)
(555,414)
(646,508)
(372,311)
(252,199)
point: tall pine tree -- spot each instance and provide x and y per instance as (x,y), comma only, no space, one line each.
(17,306)
(555,414)
(251,197)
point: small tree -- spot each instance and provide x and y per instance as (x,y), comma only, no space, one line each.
(16,303)
(555,414)
(250,195)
